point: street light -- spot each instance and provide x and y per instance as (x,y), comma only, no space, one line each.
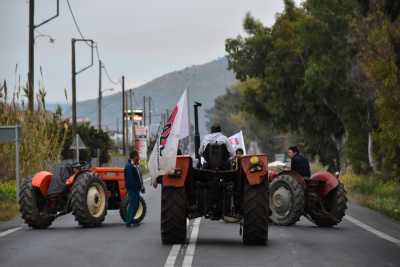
(51,39)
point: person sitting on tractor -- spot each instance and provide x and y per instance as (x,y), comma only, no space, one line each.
(299,163)
(133,185)
(216,137)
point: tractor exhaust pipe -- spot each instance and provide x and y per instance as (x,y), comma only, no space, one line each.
(196,130)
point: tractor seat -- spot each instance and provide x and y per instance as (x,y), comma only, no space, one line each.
(60,174)
(216,157)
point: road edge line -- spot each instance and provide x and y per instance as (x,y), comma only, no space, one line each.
(190,250)
(373,230)
(10,231)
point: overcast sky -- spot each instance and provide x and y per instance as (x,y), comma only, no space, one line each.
(139,39)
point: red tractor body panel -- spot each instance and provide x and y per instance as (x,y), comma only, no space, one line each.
(254,178)
(330,182)
(41,180)
(112,174)
(178,179)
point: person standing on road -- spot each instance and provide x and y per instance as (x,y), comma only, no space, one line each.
(134,185)
(299,163)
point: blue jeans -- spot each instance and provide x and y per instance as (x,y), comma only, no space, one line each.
(133,204)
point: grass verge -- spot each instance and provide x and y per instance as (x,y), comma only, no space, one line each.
(375,193)
(8,205)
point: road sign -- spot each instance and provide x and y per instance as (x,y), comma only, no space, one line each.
(78,140)
(11,134)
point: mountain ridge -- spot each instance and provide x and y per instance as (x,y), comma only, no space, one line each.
(205,82)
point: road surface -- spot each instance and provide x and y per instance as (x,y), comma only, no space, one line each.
(365,238)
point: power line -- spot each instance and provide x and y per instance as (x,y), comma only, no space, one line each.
(96,44)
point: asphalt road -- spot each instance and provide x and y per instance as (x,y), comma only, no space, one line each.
(365,238)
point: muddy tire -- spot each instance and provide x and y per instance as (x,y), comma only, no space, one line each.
(335,204)
(287,200)
(89,200)
(29,203)
(255,214)
(140,214)
(173,215)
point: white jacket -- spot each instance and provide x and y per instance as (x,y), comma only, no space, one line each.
(216,138)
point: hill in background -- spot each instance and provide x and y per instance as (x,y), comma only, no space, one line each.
(205,83)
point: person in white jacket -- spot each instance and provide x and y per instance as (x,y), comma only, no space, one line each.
(216,137)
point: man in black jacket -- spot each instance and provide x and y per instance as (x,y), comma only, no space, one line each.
(133,185)
(299,163)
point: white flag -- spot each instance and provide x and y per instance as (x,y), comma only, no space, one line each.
(163,157)
(237,141)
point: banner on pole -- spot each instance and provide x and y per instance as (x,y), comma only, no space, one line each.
(237,141)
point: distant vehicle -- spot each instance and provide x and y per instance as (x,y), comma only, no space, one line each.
(86,192)
(216,190)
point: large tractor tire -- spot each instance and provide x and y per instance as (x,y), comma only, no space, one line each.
(140,213)
(287,200)
(173,215)
(255,214)
(30,202)
(335,204)
(89,200)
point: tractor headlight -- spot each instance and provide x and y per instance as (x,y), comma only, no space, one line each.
(255,164)
(254,160)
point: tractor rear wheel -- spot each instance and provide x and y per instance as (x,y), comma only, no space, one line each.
(335,204)
(286,200)
(89,200)
(140,213)
(30,200)
(173,215)
(255,214)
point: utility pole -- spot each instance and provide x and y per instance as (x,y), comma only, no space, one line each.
(31,72)
(144,110)
(123,116)
(150,111)
(31,47)
(74,73)
(100,97)
(127,124)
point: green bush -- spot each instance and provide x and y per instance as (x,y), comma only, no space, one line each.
(374,192)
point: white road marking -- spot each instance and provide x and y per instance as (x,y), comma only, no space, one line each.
(188,259)
(10,231)
(173,254)
(373,230)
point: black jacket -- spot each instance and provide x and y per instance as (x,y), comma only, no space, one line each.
(133,179)
(300,165)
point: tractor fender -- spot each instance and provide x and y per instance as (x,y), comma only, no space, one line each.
(254,178)
(331,182)
(179,177)
(41,180)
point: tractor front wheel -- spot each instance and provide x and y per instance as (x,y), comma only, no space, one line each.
(140,213)
(30,203)
(255,214)
(89,200)
(286,200)
(173,215)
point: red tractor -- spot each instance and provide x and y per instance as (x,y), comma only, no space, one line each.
(86,192)
(216,190)
(321,198)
